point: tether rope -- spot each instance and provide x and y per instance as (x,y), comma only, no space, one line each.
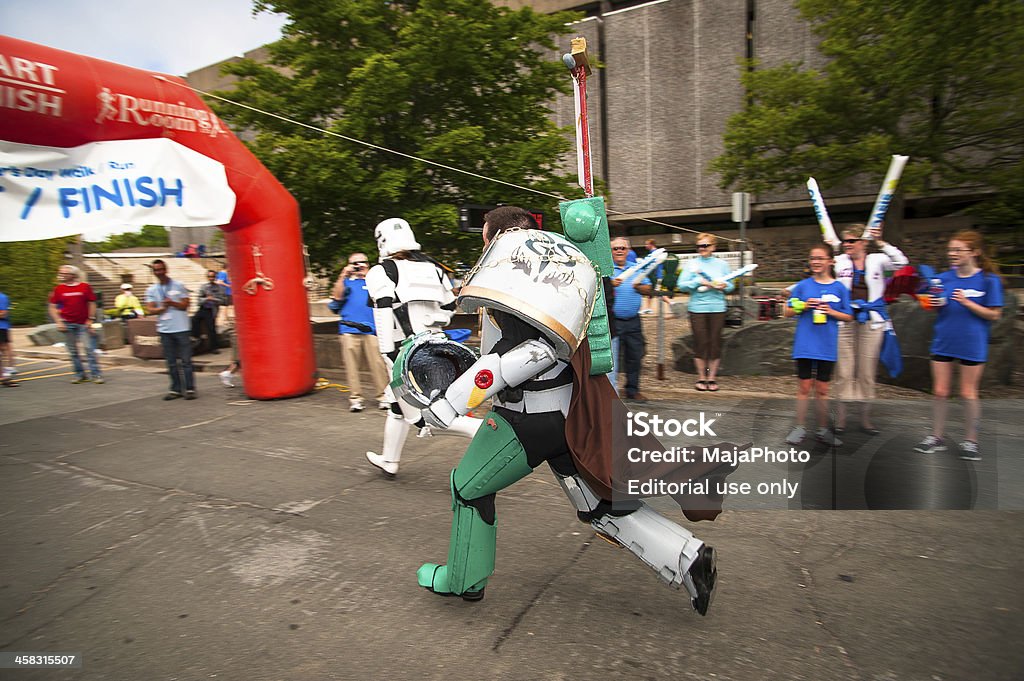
(416,158)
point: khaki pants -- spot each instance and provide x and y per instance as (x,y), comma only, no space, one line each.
(359,349)
(857,367)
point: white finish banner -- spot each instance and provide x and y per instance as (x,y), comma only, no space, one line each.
(108,188)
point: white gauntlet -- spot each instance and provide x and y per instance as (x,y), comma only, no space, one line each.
(488,376)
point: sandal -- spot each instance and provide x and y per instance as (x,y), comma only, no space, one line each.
(701,385)
(712,386)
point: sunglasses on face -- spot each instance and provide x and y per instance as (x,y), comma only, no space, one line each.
(620,248)
(359,262)
(850,241)
(704,245)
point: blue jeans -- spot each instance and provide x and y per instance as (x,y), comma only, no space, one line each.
(72,334)
(178,354)
(613,375)
(632,346)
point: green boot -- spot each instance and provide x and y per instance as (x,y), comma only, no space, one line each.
(495,459)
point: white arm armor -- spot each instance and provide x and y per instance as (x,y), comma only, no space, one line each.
(489,375)
(382,292)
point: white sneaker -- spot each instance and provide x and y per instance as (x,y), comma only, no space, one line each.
(225,378)
(355,404)
(390,468)
(930,445)
(383,405)
(425,431)
(9,371)
(796,436)
(828,437)
(969,451)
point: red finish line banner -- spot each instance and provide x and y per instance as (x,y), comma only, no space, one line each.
(103,188)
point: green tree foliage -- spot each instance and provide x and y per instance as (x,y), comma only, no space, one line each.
(28,272)
(149,235)
(460,82)
(939,81)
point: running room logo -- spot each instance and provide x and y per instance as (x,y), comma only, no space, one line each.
(149,112)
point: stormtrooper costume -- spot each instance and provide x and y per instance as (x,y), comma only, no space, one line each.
(539,290)
(409,295)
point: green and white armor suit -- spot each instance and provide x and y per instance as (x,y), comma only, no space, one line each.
(527,374)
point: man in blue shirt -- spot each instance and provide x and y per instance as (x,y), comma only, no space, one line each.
(358,337)
(225,288)
(5,343)
(629,338)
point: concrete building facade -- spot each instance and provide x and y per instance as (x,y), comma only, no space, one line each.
(658,109)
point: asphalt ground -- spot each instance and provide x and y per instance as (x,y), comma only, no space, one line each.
(234,539)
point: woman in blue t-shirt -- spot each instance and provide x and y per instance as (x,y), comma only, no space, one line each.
(819,303)
(970,300)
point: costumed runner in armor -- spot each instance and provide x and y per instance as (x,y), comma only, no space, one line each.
(539,290)
(410,294)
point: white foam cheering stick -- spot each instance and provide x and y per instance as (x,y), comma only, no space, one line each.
(885,194)
(828,232)
(644,265)
(735,274)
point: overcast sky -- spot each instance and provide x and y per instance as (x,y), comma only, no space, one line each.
(171,37)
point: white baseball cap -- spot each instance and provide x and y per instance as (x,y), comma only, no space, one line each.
(125,287)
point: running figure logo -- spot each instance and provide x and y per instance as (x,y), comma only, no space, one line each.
(107,108)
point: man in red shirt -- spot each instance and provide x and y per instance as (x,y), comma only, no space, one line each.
(73,308)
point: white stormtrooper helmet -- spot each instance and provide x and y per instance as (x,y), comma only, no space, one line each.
(394,235)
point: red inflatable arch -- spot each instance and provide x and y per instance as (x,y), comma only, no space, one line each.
(56,100)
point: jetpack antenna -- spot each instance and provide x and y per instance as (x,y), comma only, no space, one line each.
(579,66)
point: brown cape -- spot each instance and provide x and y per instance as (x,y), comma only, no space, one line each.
(596,432)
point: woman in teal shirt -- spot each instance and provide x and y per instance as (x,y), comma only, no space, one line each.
(706,308)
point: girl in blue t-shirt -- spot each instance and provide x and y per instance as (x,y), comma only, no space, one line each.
(819,303)
(970,300)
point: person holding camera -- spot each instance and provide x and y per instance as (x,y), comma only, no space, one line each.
(357,333)
(208,302)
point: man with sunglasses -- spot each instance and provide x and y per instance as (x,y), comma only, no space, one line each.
(356,332)
(629,296)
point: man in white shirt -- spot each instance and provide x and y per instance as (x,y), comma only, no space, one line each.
(169,300)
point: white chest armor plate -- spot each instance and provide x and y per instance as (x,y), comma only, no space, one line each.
(534,401)
(422,290)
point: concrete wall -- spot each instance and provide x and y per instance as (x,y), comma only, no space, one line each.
(781,252)
(106,274)
(672,81)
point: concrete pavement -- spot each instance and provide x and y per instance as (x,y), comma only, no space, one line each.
(233,539)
